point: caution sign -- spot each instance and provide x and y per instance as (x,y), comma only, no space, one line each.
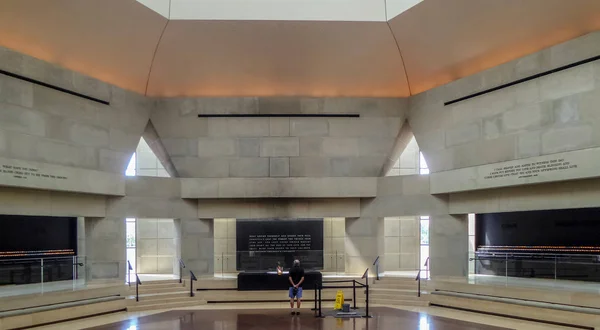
(339,300)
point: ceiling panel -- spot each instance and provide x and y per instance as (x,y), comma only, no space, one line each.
(112,40)
(117,41)
(444,40)
(258,58)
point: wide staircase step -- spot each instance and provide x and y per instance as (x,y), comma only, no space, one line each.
(158,288)
(160,296)
(408,295)
(167,304)
(400,302)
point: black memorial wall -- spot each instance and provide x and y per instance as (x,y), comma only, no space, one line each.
(263,243)
(25,240)
(545,244)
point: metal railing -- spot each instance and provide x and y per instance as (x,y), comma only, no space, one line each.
(418,278)
(137,283)
(20,276)
(376,264)
(355,284)
(580,267)
(192,279)
(181,267)
(129,269)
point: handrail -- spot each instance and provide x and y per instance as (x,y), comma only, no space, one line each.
(129,269)
(181,267)
(418,278)
(376,264)
(137,292)
(192,279)
(376,261)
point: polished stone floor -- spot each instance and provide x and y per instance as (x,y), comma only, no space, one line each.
(383,319)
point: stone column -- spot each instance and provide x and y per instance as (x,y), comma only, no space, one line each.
(334,245)
(105,248)
(448,245)
(197,246)
(364,242)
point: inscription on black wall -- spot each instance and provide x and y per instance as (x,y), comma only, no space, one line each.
(279,243)
(262,244)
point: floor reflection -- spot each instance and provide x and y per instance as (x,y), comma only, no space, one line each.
(383,319)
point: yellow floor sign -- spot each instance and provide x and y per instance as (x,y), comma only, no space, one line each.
(339,300)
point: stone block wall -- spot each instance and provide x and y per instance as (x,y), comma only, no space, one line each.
(279,147)
(45,125)
(334,245)
(363,244)
(225,245)
(197,245)
(448,246)
(105,248)
(156,246)
(402,244)
(554,113)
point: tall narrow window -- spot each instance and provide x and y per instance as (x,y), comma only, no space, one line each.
(472,248)
(130,244)
(131,166)
(423,168)
(424,222)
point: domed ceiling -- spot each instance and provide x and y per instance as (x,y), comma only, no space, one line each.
(390,48)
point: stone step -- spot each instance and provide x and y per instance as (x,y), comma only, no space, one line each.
(393,297)
(132,302)
(148,290)
(396,279)
(166,305)
(400,302)
(173,281)
(395,286)
(159,285)
(159,296)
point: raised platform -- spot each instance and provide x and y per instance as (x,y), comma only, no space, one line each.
(36,309)
(262,281)
(555,306)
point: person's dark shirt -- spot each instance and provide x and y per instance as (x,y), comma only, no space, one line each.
(297,273)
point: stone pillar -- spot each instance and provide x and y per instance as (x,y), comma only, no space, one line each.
(81,252)
(448,245)
(334,248)
(364,242)
(224,232)
(197,246)
(105,248)
(178,233)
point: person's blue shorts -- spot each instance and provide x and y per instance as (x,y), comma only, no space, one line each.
(298,294)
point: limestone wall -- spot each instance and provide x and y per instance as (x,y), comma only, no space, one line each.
(156,245)
(334,247)
(550,114)
(279,147)
(41,124)
(401,243)
(225,245)
(364,243)
(105,248)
